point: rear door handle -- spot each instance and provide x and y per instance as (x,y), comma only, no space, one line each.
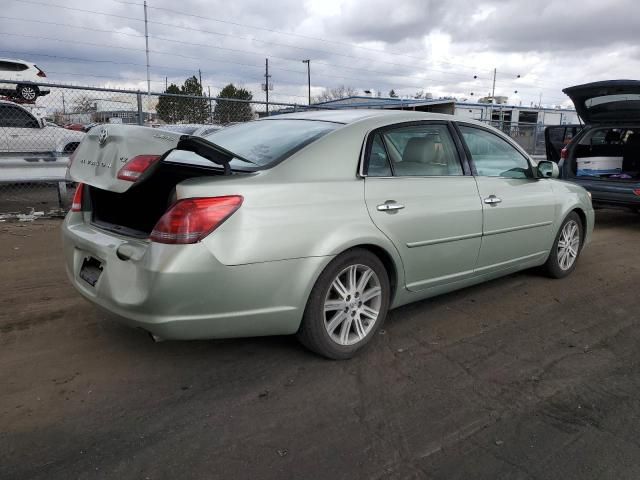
(389,206)
(492,200)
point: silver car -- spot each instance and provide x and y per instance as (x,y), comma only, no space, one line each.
(313,224)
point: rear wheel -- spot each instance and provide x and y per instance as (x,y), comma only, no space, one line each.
(566,248)
(347,305)
(28,92)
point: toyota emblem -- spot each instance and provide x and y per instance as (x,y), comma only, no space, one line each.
(104,134)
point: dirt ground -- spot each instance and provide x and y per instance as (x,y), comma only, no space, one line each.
(520,378)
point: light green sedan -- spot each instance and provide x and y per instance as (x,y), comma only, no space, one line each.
(313,224)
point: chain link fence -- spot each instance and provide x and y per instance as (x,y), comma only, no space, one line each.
(38,134)
(530,136)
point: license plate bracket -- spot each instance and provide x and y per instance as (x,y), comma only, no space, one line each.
(90,270)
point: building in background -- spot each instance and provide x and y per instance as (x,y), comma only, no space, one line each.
(524,124)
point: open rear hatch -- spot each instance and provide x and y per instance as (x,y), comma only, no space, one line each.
(609,101)
(130,178)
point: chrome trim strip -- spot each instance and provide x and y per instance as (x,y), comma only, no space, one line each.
(514,229)
(507,263)
(443,240)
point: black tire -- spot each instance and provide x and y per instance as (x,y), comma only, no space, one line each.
(28,92)
(314,335)
(553,267)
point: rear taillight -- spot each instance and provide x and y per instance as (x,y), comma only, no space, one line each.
(134,168)
(564,153)
(40,72)
(76,205)
(192,219)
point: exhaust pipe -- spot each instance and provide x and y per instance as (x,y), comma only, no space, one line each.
(155,338)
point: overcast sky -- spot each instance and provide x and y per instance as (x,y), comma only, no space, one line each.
(409,45)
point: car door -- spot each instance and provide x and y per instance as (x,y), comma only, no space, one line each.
(418,194)
(23,131)
(518,209)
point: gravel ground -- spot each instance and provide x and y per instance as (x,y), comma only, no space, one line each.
(519,378)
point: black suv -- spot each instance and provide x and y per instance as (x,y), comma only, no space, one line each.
(603,156)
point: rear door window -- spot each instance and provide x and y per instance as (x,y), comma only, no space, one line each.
(16,118)
(415,150)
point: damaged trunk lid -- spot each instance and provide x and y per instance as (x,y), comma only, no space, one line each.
(106,149)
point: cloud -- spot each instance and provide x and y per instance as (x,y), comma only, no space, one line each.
(427,45)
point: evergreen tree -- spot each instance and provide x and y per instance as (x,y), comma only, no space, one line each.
(169,107)
(195,110)
(227,111)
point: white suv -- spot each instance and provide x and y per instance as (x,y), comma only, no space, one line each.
(20,75)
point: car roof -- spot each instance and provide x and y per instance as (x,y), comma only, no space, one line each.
(7,102)
(347,116)
(17,60)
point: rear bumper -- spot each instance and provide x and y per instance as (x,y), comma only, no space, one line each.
(613,193)
(183,292)
(616,200)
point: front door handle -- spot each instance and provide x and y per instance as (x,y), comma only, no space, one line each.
(492,200)
(390,206)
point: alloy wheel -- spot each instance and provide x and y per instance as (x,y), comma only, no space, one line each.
(568,245)
(28,93)
(352,304)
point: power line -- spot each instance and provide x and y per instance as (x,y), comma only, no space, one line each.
(210,32)
(77,59)
(260,41)
(261,54)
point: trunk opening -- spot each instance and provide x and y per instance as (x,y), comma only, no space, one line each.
(611,154)
(136,211)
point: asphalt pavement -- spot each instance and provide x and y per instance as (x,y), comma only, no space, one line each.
(519,378)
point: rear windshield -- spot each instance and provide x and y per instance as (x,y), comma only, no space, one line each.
(262,143)
(622,106)
(269,141)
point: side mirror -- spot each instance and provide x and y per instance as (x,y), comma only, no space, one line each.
(548,169)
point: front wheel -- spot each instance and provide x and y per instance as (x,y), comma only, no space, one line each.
(566,248)
(347,305)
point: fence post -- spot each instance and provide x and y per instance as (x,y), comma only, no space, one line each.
(535,139)
(139,98)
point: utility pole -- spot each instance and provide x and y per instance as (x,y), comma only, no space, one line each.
(493,96)
(200,77)
(308,62)
(166,83)
(210,109)
(266,81)
(146,41)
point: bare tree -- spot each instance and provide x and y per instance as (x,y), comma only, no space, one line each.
(84,104)
(335,93)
